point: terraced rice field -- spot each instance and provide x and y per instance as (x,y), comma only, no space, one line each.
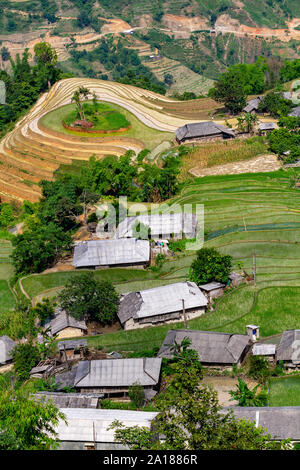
(244,215)
(32,151)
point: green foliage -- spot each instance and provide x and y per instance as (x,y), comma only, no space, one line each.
(25,357)
(275,104)
(229,90)
(6,215)
(136,394)
(37,249)
(210,265)
(247,397)
(259,368)
(44,309)
(26,423)
(86,297)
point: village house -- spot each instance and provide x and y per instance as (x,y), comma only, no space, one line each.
(288,349)
(265,128)
(161,226)
(214,349)
(72,349)
(65,326)
(164,304)
(113,377)
(99,254)
(6,345)
(87,429)
(70,400)
(252,105)
(280,422)
(205,131)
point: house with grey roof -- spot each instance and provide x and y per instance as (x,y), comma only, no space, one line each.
(214,348)
(252,105)
(288,349)
(114,376)
(295,112)
(65,326)
(161,226)
(264,349)
(6,345)
(164,304)
(70,400)
(89,428)
(99,254)
(280,422)
(265,127)
(203,131)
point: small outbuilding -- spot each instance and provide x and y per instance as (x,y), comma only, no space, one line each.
(161,226)
(164,304)
(72,349)
(213,290)
(6,345)
(65,326)
(265,350)
(88,429)
(113,377)
(214,349)
(99,254)
(265,128)
(205,131)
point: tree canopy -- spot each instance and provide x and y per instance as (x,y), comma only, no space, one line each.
(210,265)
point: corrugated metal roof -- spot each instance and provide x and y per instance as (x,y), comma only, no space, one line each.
(263,349)
(111,252)
(295,112)
(159,224)
(252,105)
(212,347)
(266,126)
(289,346)
(202,129)
(72,344)
(62,320)
(118,372)
(281,422)
(161,300)
(87,425)
(6,345)
(211,286)
(70,400)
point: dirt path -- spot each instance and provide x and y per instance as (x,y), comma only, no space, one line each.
(263,163)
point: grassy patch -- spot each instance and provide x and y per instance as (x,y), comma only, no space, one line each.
(103,117)
(7,300)
(284,391)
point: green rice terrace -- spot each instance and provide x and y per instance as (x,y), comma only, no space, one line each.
(244,215)
(284,391)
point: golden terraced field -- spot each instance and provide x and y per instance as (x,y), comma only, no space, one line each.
(33,151)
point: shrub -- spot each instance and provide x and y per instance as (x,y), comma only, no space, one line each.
(137,394)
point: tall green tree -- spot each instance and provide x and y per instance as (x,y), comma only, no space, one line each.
(86,297)
(210,265)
